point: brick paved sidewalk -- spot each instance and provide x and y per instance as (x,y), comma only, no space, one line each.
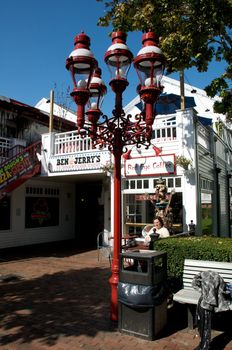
(62,303)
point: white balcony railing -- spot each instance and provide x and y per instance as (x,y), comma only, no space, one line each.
(71,142)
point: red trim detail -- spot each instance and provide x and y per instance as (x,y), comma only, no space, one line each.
(157,150)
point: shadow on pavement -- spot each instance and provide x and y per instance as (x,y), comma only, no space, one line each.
(74,302)
(177,319)
(220,341)
(54,249)
(67,303)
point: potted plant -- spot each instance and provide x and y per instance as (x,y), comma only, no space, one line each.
(108,168)
(183,162)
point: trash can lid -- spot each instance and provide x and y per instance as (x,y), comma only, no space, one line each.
(143,253)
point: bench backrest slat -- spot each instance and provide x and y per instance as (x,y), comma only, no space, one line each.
(193,267)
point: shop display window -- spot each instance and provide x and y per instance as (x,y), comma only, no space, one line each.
(5,213)
(41,212)
(41,206)
(140,209)
(206,206)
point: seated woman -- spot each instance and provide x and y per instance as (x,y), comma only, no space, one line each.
(158,228)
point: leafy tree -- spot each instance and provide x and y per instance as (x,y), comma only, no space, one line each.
(221,86)
(192,33)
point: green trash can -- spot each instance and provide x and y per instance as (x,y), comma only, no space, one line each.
(142,293)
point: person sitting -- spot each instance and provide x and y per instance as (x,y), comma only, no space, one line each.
(158,228)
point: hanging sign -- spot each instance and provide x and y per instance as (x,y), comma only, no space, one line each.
(79,162)
(145,166)
(15,168)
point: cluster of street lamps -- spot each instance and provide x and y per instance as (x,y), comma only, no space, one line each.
(118,131)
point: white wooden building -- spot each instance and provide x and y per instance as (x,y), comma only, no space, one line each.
(71,198)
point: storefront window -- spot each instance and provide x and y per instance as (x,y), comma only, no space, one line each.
(156,181)
(5,213)
(41,206)
(206,206)
(145,184)
(139,184)
(178,182)
(132,185)
(126,185)
(140,210)
(143,199)
(206,213)
(41,212)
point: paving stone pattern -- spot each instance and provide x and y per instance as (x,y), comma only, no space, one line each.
(60,300)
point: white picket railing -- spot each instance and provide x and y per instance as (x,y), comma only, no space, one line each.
(71,142)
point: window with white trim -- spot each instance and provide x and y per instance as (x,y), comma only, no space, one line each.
(44,191)
(165,129)
(149,184)
(42,206)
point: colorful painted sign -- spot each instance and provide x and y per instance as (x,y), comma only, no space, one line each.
(145,166)
(79,162)
(15,168)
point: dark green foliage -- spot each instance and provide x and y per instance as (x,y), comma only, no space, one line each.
(192,34)
(200,248)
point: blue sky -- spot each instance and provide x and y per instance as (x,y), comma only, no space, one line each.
(37,37)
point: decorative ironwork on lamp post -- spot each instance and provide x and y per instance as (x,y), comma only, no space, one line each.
(119,131)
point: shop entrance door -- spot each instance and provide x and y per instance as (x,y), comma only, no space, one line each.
(89,214)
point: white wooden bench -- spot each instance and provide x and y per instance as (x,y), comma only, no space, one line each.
(188,295)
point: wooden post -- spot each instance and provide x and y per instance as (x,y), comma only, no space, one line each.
(182,97)
(51,111)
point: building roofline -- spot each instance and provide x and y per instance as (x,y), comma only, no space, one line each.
(35,114)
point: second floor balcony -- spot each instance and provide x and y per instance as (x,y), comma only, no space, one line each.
(71,152)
